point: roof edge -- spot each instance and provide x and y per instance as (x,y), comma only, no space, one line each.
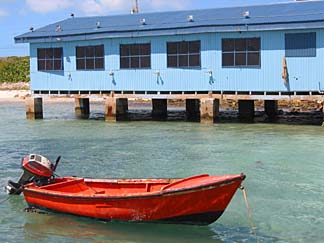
(174,31)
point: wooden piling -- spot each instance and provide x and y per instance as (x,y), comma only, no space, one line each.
(192,109)
(82,108)
(209,110)
(34,108)
(271,108)
(246,110)
(159,109)
(116,109)
(110,110)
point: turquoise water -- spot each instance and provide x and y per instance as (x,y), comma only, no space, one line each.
(284,168)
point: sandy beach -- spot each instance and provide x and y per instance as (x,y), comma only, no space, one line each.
(18,95)
(14,91)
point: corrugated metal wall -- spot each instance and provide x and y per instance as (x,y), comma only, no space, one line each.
(305,73)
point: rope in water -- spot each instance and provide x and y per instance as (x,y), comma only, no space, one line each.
(8,197)
(4,200)
(249,213)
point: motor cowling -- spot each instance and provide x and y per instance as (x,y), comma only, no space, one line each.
(37,169)
(38,165)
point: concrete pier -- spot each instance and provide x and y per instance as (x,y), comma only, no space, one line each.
(246,110)
(271,108)
(116,109)
(209,110)
(82,108)
(192,109)
(34,108)
(159,109)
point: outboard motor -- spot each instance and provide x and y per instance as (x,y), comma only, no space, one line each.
(37,169)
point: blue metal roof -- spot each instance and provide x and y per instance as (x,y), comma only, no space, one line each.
(292,15)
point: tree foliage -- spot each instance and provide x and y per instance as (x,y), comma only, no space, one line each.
(14,69)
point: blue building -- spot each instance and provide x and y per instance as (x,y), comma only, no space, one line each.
(264,52)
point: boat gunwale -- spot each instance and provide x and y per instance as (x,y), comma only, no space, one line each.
(170,192)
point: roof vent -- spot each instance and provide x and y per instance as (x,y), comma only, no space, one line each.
(190,18)
(58,28)
(98,24)
(31,29)
(143,21)
(246,14)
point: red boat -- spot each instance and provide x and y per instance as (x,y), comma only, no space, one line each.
(197,200)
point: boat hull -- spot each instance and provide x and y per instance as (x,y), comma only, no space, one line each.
(198,204)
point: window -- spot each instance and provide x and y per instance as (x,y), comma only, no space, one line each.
(49,59)
(300,44)
(244,52)
(90,57)
(183,54)
(135,56)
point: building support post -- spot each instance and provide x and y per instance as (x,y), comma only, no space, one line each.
(246,110)
(271,108)
(110,110)
(34,108)
(192,109)
(116,109)
(159,109)
(209,110)
(82,108)
(121,109)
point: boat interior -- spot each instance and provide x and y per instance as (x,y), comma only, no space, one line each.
(122,187)
(118,187)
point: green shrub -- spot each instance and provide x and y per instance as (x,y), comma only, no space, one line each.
(14,69)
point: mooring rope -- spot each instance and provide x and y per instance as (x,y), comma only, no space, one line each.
(4,200)
(8,196)
(249,213)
